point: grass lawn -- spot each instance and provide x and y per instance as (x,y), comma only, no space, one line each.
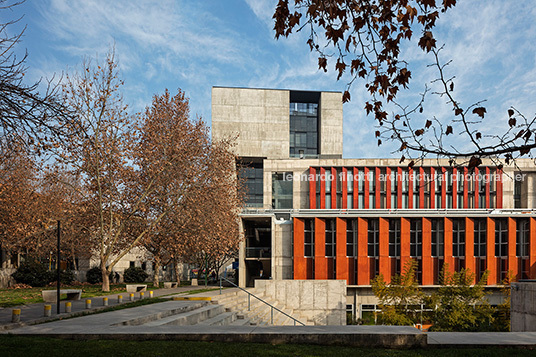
(38,346)
(16,297)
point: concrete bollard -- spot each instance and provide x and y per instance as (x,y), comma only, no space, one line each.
(15,315)
(119,299)
(104,301)
(68,306)
(48,310)
(142,295)
(131,297)
(88,304)
(151,294)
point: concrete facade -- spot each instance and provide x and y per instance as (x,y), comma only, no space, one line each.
(523,306)
(259,119)
(320,302)
(500,200)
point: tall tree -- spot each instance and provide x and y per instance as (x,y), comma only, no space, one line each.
(363,40)
(32,115)
(198,195)
(172,156)
(100,152)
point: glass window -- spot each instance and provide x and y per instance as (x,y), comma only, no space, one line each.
(351,238)
(309,238)
(330,238)
(373,238)
(501,237)
(282,190)
(480,237)
(438,238)
(394,237)
(522,239)
(252,173)
(458,237)
(415,246)
(303,129)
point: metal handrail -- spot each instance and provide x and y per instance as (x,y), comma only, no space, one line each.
(261,300)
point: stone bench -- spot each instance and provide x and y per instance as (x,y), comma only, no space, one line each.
(171,284)
(135,288)
(51,295)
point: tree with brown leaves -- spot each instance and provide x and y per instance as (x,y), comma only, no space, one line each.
(363,40)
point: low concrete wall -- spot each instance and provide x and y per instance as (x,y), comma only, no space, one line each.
(523,306)
(321,302)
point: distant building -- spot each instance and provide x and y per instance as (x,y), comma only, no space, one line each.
(312,215)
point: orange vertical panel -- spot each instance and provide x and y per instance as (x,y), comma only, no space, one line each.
(465,189)
(444,188)
(388,188)
(312,187)
(431,184)
(363,266)
(470,245)
(499,189)
(366,188)
(532,248)
(377,185)
(487,187)
(427,266)
(342,260)
(447,250)
(476,188)
(404,242)
(491,261)
(410,188)
(300,262)
(399,187)
(321,262)
(334,188)
(356,188)
(385,262)
(322,188)
(512,258)
(344,188)
(421,187)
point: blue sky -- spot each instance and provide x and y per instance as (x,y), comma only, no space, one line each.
(194,45)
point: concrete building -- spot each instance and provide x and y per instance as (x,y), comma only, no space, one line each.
(312,215)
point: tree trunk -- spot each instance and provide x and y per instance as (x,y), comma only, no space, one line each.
(156,271)
(105,277)
(177,274)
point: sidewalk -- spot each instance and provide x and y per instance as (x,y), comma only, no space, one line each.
(34,313)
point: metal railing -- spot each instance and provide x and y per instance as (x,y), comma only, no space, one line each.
(272,307)
(258,252)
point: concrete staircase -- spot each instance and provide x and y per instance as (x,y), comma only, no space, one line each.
(184,313)
(256,312)
(231,308)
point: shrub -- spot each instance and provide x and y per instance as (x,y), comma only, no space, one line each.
(94,275)
(66,277)
(135,275)
(33,273)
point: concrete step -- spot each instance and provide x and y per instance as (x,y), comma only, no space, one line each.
(222,319)
(191,317)
(152,317)
(240,322)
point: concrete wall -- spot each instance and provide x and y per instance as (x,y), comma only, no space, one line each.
(320,302)
(331,124)
(523,306)
(259,116)
(281,249)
